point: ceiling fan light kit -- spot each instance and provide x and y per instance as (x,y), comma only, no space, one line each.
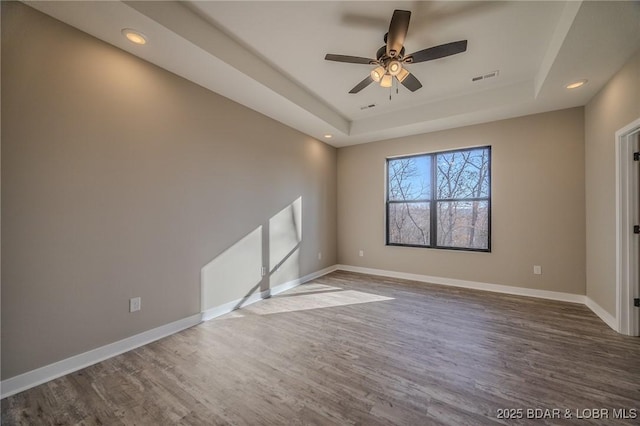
(387,80)
(377,73)
(402,74)
(394,67)
(390,59)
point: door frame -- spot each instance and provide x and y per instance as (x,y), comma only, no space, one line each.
(627,244)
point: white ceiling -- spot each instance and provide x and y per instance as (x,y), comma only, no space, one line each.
(269,56)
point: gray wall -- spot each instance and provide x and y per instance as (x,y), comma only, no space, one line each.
(615,106)
(120,179)
(538,197)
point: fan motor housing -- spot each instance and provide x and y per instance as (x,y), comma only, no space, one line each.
(381,54)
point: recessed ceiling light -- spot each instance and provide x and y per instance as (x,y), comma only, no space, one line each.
(328,136)
(576,84)
(134,36)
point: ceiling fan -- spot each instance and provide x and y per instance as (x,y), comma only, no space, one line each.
(391,60)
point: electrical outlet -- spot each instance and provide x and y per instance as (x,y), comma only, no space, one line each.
(361,253)
(135,304)
(319,255)
(537,269)
(263,271)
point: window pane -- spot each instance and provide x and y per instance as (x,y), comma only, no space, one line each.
(410,178)
(409,223)
(463,224)
(463,174)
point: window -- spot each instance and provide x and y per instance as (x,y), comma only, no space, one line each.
(440,200)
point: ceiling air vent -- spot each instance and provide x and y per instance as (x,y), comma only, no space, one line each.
(485,76)
(367,106)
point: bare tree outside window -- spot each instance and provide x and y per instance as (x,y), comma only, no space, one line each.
(440,200)
(409,189)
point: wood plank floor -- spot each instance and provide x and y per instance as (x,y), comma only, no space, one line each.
(357,349)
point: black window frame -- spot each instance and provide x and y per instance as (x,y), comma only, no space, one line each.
(433,202)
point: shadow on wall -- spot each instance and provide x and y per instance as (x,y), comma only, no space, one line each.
(237,273)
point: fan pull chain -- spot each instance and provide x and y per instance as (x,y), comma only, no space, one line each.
(391,88)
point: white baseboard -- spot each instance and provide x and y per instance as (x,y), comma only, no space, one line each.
(66,366)
(242,302)
(605,316)
(69,365)
(49,372)
(496,288)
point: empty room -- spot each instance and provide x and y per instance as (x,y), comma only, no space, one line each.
(320,212)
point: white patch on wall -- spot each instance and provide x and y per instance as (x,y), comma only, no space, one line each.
(285,235)
(235,273)
(287,270)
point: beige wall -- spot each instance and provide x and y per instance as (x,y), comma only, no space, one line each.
(120,179)
(537,206)
(615,106)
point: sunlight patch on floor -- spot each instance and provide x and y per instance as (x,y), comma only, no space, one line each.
(291,302)
(305,297)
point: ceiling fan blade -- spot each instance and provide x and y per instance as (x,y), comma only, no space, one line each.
(411,82)
(350,59)
(437,52)
(364,83)
(397,31)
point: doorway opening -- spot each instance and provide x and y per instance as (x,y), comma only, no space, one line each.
(628,228)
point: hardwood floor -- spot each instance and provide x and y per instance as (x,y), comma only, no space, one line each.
(357,349)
